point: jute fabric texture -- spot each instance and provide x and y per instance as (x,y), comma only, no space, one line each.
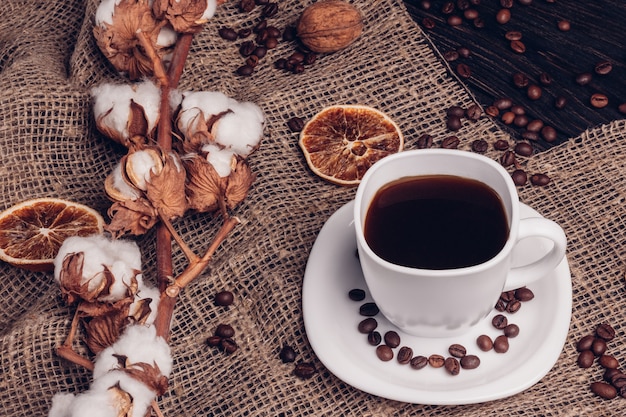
(50,148)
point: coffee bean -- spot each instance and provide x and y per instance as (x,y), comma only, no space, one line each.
(296,124)
(463,70)
(356,294)
(227,33)
(539,180)
(604,390)
(507,159)
(548,133)
(617,377)
(503,16)
(480,146)
(462,4)
(470,362)
(224,298)
(501,344)
(583,78)
(585,359)
(244,33)
(585,343)
(513,306)
(503,103)
(508,296)
(453,123)
(610,373)
(374,338)
(246,48)
(252,61)
(500,306)
(392,339)
(599,101)
(603,67)
(450,142)
(452,365)
(492,111)
(513,35)
(599,346)
(524,294)
(309,58)
(534,125)
(436,361)
(534,92)
(608,362)
(479,23)
(273,32)
(464,52)
(454,20)
(605,331)
(404,355)
(622,108)
(523,149)
(521,120)
(519,177)
(246,6)
(270,10)
(499,321)
(424,141)
(501,145)
(563,25)
(213,341)
(518,110)
(369,309)
(507,4)
(384,353)
(455,111)
(511,330)
(451,56)
(471,14)
(304,370)
(520,80)
(228,345)
(289,33)
(296,58)
(518,47)
(457,350)
(484,343)
(260,26)
(271,43)
(245,70)
(528,135)
(474,112)
(224,330)
(508,117)
(418,362)
(560,102)
(545,79)
(448,7)
(367,325)
(428,23)
(287,354)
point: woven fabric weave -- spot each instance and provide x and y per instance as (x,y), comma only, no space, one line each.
(50,148)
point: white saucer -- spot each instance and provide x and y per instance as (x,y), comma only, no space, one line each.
(331,320)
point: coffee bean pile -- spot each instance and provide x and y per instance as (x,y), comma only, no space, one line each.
(259,36)
(223,339)
(303,370)
(500,20)
(593,348)
(457,357)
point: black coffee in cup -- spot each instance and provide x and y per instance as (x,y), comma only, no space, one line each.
(436,222)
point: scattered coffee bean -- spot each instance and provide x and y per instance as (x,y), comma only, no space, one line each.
(524,294)
(520,80)
(583,78)
(224,298)
(448,7)
(428,23)
(245,70)
(270,10)
(560,102)
(252,61)
(484,343)
(534,92)
(603,67)
(455,20)
(450,142)
(501,344)
(296,124)
(508,296)
(213,341)
(604,390)
(228,345)
(519,177)
(503,16)
(227,33)
(425,141)
(405,354)
(479,23)
(464,52)
(605,331)
(356,294)
(369,309)
(513,306)
(523,149)
(585,359)
(585,343)
(436,361)
(622,108)
(507,4)
(470,362)
(508,117)
(610,373)
(453,123)
(501,145)
(511,330)
(471,14)
(545,79)
(521,120)
(608,362)
(224,330)
(506,160)
(480,145)
(463,70)
(455,111)
(304,370)
(367,325)
(599,100)
(518,47)
(452,365)
(474,112)
(540,180)
(247,6)
(548,133)
(528,135)
(384,353)
(374,338)
(287,354)
(493,111)
(451,56)
(456,350)
(534,125)
(503,103)
(513,35)
(418,362)
(564,25)
(392,339)
(499,321)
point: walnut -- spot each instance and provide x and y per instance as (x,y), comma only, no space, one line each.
(329,25)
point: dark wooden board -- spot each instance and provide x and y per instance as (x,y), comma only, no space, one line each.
(598,33)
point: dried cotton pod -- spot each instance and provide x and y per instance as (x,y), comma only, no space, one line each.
(185,16)
(329,25)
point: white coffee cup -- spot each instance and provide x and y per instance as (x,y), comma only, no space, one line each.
(448,302)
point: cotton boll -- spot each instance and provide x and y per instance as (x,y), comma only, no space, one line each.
(144,292)
(175,98)
(61,403)
(166,37)
(206,102)
(121,185)
(141,395)
(220,158)
(148,95)
(142,163)
(211,7)
(242,129)
(104,12)
(93,404)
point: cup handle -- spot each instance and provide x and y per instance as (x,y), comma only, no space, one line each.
(537,227)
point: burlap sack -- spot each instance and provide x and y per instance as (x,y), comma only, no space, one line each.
(50,147)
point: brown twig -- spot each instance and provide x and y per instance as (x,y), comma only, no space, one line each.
(157,63)
(189,253)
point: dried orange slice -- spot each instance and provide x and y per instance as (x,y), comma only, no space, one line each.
(32,232)
(341,142)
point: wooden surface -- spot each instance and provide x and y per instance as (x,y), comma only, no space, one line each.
(597,33)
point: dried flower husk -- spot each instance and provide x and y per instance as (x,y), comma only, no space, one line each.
(119,43)
(123,401)
(140,165)
(166,188)
(123,190)
(149,375)
(239,182)
(137,126)
(134,217)
(200,131)
(104,322)
(185,16)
